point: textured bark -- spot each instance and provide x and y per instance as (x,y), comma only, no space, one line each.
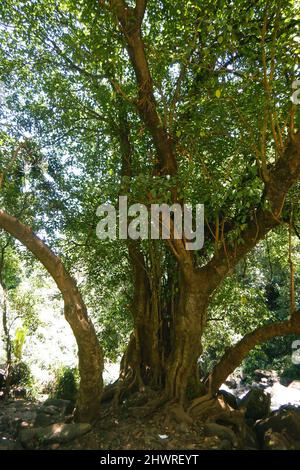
(89,351)
(190,318)
(142,358)
(199,284)
(234,356)
(130,23)
(141,364)
(7,337)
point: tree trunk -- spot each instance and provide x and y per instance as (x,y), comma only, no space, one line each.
(190,317)
(7,338)
(142,361)
(89,351)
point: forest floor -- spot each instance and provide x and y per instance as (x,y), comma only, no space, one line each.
(127,429)
(124,428)
(48,423)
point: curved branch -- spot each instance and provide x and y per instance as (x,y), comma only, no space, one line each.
(89,351)
(234,356)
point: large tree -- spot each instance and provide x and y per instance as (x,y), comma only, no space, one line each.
(166,103)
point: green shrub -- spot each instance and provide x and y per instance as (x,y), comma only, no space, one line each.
(66,384)
(257,359)
(290,373)
(21,375)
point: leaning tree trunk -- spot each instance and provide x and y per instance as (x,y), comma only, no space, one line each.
(89,350)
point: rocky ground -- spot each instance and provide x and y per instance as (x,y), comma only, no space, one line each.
(265,415)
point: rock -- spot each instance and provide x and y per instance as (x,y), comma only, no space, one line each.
(8,444)
(64,406)
(285,421)
(295,385)
(44,419)
(32,438)
(263,374)
(29,416)
(256,404)
(282,395)
(275,441)
(222,432)
(225,445)
(19,392)
(230,399)
(231,383)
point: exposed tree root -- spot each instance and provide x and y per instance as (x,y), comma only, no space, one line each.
(215,409)
(176,415)
(127,384)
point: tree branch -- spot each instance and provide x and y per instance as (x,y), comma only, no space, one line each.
(262,219)
(140,9)
(130,26)
(234,356)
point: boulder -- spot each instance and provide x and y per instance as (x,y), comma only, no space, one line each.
(249,439)
(282,395)
(8,444)
(275,441)
(256,404)
(222,432)
(295,385)
(32,438)
(231,383)
(286,420)
(45,419)
(63,406)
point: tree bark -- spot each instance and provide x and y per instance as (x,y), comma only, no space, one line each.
(142,358)
(235,355)
(7,338)
(89,350)
(200,284)
(189,323)
(142,362)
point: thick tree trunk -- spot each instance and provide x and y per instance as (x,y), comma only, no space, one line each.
(89,351)
(142,362)
(190,317)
